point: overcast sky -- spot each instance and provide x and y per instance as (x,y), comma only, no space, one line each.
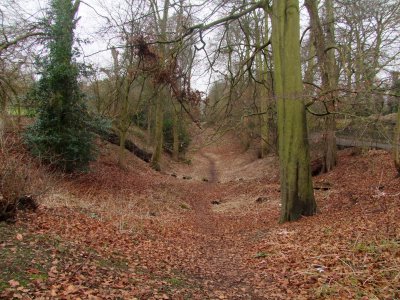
(96,52)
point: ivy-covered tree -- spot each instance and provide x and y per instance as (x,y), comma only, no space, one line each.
(60,134)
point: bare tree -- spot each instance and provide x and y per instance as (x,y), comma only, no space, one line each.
(324,43)
(19,32)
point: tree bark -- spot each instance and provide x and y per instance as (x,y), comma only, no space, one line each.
(396,148)
(3,111)
(263,81)
(159,113)
(297,195)
(327,67)
(158,132)
(175,148)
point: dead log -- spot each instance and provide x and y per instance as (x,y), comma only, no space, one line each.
(113,138)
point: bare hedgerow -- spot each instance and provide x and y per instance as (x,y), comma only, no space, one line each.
(21,180)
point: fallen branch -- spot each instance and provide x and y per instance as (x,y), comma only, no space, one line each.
(113,138)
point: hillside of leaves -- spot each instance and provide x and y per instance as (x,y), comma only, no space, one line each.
(205,230)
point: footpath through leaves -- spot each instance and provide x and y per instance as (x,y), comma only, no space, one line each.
(137,234)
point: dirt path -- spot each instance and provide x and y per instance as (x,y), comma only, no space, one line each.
(213,172)
(220,266)
(219,239)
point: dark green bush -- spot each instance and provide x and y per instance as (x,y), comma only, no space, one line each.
(68,145)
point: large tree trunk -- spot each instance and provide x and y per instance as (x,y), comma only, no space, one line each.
(296,185)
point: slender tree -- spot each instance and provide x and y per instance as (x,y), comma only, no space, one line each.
(19,30)
(396,140)
(261,37)
(163,94)
(324,43)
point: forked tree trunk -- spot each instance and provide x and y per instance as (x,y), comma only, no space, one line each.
(297,194)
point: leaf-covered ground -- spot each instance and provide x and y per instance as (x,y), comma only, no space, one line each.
(138,234)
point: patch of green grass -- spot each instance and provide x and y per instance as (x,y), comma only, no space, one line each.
(3,285)
(353,281)
(40,277)
(184,206)
(176,282)
(327,230)
(117,263)
(325,290)
(18,256)
(390,245)
(173,283)
(141,271)
(365,247)
(377,247)
(261,254)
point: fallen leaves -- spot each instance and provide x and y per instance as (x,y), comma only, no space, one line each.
(71,289)
(351,249)
(13,283)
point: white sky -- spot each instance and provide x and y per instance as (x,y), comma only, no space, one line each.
(90,23)
(95,52)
